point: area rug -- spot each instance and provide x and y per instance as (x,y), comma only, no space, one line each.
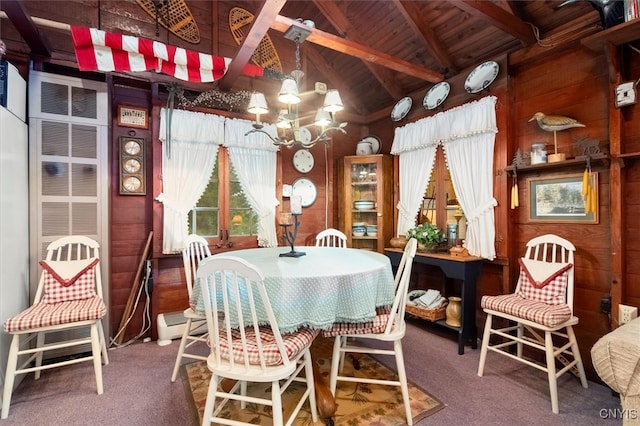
(359,404)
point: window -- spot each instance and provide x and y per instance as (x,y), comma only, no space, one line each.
(223,212)
(440,204)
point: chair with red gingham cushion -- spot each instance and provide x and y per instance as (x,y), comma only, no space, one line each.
(68,298)
(195,249)
(388,326)
(246,343)
(539,314)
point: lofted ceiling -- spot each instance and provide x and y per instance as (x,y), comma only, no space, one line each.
(373,52)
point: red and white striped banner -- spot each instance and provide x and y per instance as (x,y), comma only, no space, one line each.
(97,50)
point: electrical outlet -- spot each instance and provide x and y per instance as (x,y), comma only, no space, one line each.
(626,313)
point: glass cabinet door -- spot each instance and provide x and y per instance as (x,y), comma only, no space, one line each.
(367,198)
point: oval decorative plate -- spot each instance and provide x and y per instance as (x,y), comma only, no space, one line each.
(375,143)
(481,77)
(436,95)
(401,108)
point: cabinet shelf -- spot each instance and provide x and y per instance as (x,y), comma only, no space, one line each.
(620,34)
(596,158)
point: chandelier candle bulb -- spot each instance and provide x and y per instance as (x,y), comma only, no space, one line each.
(296,204)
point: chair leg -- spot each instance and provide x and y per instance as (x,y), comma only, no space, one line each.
(40,338)
(335,363)
(551,371)
(308,370)
(486,335)
(402,377)
(211,399)
(96,350)
(276,403)
(103,344)
(576,355)
(519,345)
(183,342)
(12,363)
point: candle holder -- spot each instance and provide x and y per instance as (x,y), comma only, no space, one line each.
(290,237)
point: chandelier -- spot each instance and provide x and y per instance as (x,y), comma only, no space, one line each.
(289,118)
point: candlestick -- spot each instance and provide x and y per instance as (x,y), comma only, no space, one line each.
(285,219)
(290,237)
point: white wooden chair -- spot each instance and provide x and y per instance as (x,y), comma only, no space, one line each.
(68,299)
(540,312)
(388,326)
(196,249)
(245,349)
(331,237)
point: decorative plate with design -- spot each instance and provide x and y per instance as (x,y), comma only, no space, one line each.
(401,108)
(481,77)
(436,95)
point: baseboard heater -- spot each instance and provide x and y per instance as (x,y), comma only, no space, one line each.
(171,326)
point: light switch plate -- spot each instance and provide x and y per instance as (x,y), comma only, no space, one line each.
(625,94)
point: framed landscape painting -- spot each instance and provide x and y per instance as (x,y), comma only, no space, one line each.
(559,199)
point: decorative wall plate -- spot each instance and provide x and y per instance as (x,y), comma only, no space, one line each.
(401,108)
(481,77)
(436,95)
(303,160)
(306,190)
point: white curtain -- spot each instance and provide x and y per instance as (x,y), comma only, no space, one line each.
(254,158)
(188,159)
(416,159)
(467,134)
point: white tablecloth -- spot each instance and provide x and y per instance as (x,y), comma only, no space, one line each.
(325,286)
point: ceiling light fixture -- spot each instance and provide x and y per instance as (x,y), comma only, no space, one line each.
(289,118)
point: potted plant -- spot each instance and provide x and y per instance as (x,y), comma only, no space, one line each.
(428,236)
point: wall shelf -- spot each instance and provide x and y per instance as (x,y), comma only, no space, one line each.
(596,158)
(618,35)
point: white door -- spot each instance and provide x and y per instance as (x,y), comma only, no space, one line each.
(68,152)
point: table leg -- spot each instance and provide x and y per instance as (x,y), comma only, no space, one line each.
(325,402)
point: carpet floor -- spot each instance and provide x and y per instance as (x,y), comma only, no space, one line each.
(359,404)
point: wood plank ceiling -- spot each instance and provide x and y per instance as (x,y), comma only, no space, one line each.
(374,52)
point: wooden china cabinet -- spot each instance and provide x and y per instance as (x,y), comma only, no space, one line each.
(366,200)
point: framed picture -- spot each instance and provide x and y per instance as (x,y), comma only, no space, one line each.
(559,199)
(130,116)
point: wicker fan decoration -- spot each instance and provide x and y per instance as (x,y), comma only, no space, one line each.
(265,55)
(175,16)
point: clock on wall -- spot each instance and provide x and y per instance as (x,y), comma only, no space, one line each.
(132,176)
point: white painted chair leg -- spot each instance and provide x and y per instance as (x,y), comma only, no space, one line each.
(551,371)
(183,342)
(276,403)
(402,377)
(96,350)
(335,362)
(40,339)
(486,336)
(12,363)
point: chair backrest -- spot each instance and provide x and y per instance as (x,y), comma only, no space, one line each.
(234,294)
(72,248)
(402,278)
(195,249)
(553,249)
(331,237)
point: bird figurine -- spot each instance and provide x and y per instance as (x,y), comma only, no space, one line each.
(555,123)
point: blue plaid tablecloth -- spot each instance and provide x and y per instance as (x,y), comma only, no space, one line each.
(325,286)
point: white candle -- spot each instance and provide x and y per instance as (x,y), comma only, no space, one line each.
(296,204)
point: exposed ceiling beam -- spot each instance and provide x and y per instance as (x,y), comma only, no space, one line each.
(498,17)
(18,15)
(354,49)
(342,24)
(425,33)
(334,76)
(261,24)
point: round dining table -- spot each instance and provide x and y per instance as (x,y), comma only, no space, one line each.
(327,285)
